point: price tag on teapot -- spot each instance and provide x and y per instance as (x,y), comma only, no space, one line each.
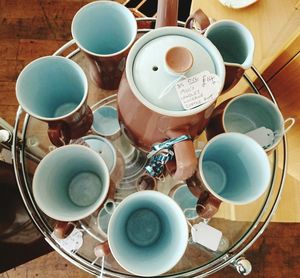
(198,89)
(206,235)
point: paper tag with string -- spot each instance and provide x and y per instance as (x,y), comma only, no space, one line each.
(73,242)
(263,136)
(198,89)
(206,235)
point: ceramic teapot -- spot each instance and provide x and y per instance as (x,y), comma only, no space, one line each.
(150,108)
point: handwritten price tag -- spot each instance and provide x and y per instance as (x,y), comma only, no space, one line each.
(198,89)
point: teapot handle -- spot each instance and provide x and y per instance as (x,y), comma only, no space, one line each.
(186,161)
(167,13)
(200,18)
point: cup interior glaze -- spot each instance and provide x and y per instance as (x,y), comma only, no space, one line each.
(51,88)
(70,183)
(106,122)
(234,168)
(249,112)
(147,233)
(233,40)
(104,28)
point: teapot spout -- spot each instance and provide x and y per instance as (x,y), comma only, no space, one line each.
(167,13)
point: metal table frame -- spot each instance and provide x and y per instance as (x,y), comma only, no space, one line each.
(230,258)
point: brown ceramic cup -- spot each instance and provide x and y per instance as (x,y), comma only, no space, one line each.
(54,90)
(105,31)
(253,115)
(232,168)
(232,39)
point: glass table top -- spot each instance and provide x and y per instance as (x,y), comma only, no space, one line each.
(240,225)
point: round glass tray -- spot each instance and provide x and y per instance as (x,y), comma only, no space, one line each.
(240,225)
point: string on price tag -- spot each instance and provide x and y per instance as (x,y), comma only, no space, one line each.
(198,89)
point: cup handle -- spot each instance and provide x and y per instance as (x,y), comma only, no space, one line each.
(200,18)
(207,204)
(292,122)
(66,46)
(63,229)
(102,249)
(58,133)
(186,162)
(110,206)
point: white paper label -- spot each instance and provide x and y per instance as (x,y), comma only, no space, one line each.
(198,89)
(206,235)
(73,242)
(263,136)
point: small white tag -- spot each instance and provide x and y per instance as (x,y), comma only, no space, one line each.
(206,235)
(198,89)
(73,242)
(263,136)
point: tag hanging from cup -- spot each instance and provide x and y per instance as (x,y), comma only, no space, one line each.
(263,136)
(206,235)
(73,242)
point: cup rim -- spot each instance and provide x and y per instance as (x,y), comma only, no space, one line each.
(95,3)
(94,206)
(177,210)
(164,31)
(277,141)
(52,57)
(264,157)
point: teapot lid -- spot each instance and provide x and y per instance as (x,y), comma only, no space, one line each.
(164,56)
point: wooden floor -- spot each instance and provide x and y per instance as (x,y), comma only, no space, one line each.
(274,255)
(33,28)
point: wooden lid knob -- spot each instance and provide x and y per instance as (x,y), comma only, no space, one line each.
(179,59)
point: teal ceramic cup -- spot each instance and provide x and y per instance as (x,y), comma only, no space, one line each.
(147,233)
(106,122)
(55,89)
(181,194)
(236,45)
(105,31)
(234,168)
(70,183)
(250,114)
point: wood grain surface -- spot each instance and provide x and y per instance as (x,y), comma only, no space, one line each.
(33,28)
